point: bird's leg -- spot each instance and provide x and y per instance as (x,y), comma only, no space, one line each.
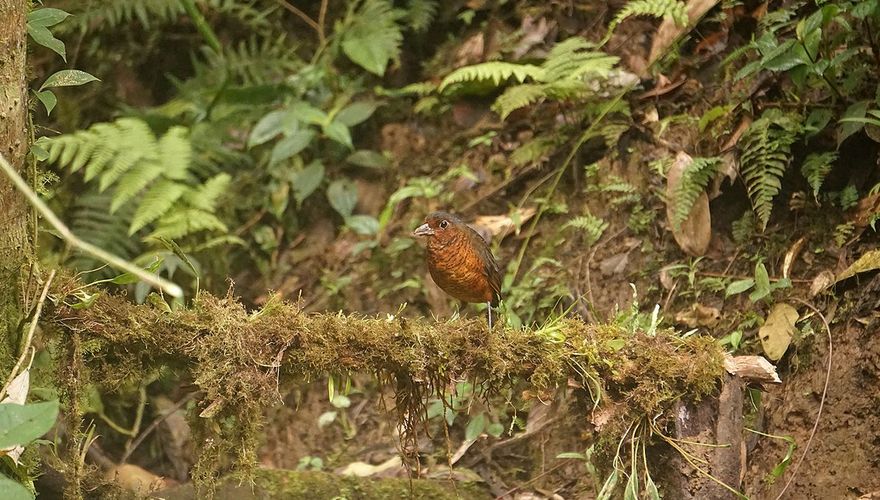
(489,308)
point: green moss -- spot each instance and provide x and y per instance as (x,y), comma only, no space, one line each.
(313,485)
(237,359)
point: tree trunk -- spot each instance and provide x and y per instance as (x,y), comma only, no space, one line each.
(15,245)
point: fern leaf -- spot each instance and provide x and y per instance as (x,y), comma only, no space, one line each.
(372,36)
(494,71)
(571,59)
(518,97)
(420,13)
(765,154)
(175,153)
(205,196)
(816,167)
(592,226)
(656,8)
(133,182)
(694,180)
(156,201)
(183,222)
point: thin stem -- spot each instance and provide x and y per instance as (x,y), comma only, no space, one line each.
(202,25)
(562,168)
(306,19)
(72,240)
(821,401)
(322,17)
(30,335)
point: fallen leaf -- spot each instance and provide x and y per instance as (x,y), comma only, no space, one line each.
(778,330)
(133,478)
(822,281)
(363,469)
(669,31)
(792,255)
(870,261)
(533,32)
(502,225)
(699,315)
(695,232)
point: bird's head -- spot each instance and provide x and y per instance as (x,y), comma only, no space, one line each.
(440,227)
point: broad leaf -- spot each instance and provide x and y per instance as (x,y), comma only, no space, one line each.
(307,180)
(47,97)
(12,490)
(21,424)
(343,196)
(290,146)
(44,37)
(338,132)
(68,78)
(368,158)
(356,112)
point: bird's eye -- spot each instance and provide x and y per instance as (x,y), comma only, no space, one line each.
(443,224)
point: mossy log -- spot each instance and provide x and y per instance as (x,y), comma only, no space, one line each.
(239,357)
(271,484)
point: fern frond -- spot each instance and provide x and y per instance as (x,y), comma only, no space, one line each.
(90,219)
(533,151)
(205,196)
(371,36)
(494,71)
(572,59)
(656,8)
(175,153)
(765,154)
(592,226)
(183,222)
(156,202)
(518,97)
(816,167)
(420,14)
(694,180)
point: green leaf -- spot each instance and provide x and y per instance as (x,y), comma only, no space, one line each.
(762,283)
(269,126)
(848,128)
(46,17)
(307,180)
(68,78)
(290,146)
(343,196)
(340,401)
(44,37)
(631,492)
(368,158)
(475,427)
(47,97)
(739,286)
(21,424)
(607,491)
(307,113)
(13,490)
(356,112)
(339,132)
(365,225)
(373,36)
(495,429)
(572,454)
(651,491)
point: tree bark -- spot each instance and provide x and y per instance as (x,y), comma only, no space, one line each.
(15,244)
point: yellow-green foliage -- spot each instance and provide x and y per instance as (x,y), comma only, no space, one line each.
(234,357)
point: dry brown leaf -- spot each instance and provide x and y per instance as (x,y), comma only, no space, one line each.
(363,469)
(533,32)
(696,231)
(822,281)
(778,330)
(502,225)
(669,32)
(791,255)
(137,479)
(699,315)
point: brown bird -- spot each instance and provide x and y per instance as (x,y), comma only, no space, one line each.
(460,260)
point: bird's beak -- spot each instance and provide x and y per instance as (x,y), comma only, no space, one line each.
(423,230)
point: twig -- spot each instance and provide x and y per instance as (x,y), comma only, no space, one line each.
(821,401)
(30,335)
(155,423)
(530,481)
(72,240)
(302,15)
